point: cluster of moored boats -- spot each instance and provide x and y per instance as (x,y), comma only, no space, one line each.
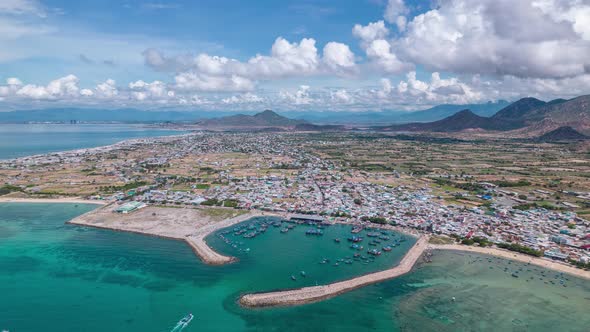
(517,270)
(379,241)
(376,240)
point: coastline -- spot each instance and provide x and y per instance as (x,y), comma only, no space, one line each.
(97,149)
(319,293)
(73,200)
(189,225)
(511,255)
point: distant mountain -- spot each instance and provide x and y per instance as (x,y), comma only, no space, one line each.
(267,118)
(130,115)
(395,116)
(528,115)
(462,120)
(442,111)
(565,133)
(518,109)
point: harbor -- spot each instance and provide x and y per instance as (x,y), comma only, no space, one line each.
(318,293)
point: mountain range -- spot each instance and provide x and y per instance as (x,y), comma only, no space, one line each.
(527,115)
(129,115)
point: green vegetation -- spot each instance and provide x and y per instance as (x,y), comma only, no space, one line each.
(203,186)
(461,185)
(125,187)
(503,183)
(528,206)
(375,220)
(584,266)
(521,249)
(212,202)
(7,189)
(232,203)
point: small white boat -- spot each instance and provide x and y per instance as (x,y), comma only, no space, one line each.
(186,319)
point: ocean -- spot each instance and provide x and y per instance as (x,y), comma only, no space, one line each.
(59,277)
(19,140)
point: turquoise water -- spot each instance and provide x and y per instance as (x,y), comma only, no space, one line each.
(19,140)
(57,277)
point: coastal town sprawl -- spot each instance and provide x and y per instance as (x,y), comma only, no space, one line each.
(530,198)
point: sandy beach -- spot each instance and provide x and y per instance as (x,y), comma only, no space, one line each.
(191,225)
(73,200)
(318,293)
(543,262)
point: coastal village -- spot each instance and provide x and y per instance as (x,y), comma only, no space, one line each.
(290,174)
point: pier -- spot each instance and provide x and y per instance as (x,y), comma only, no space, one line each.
(206,253)
(318,293)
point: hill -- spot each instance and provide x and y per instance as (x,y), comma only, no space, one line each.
(462,120)
(565,133)
(267,118)
(518,109)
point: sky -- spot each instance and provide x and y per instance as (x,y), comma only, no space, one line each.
(324,55)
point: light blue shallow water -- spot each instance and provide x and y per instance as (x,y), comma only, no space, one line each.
(58,277)
(19,140)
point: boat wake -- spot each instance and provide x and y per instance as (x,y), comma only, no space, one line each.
(183,323)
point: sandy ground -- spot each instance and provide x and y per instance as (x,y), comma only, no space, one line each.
(543,262)
(51,200)
(318,293)
(188,224)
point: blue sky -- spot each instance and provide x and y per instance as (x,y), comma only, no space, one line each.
(324,54)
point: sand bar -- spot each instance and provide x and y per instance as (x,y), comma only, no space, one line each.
(191,225)
(511,255)
(70,200)
(318,293)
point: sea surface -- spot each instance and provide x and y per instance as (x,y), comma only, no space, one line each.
(19,140)
(58,277)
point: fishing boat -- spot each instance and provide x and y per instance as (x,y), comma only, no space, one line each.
(293,278)
(355,239)
(302,273)
(373,234)
(337,240)
(317,232)
(284,230)
(357,229)
(250,235)
(374,252)
(386,248)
